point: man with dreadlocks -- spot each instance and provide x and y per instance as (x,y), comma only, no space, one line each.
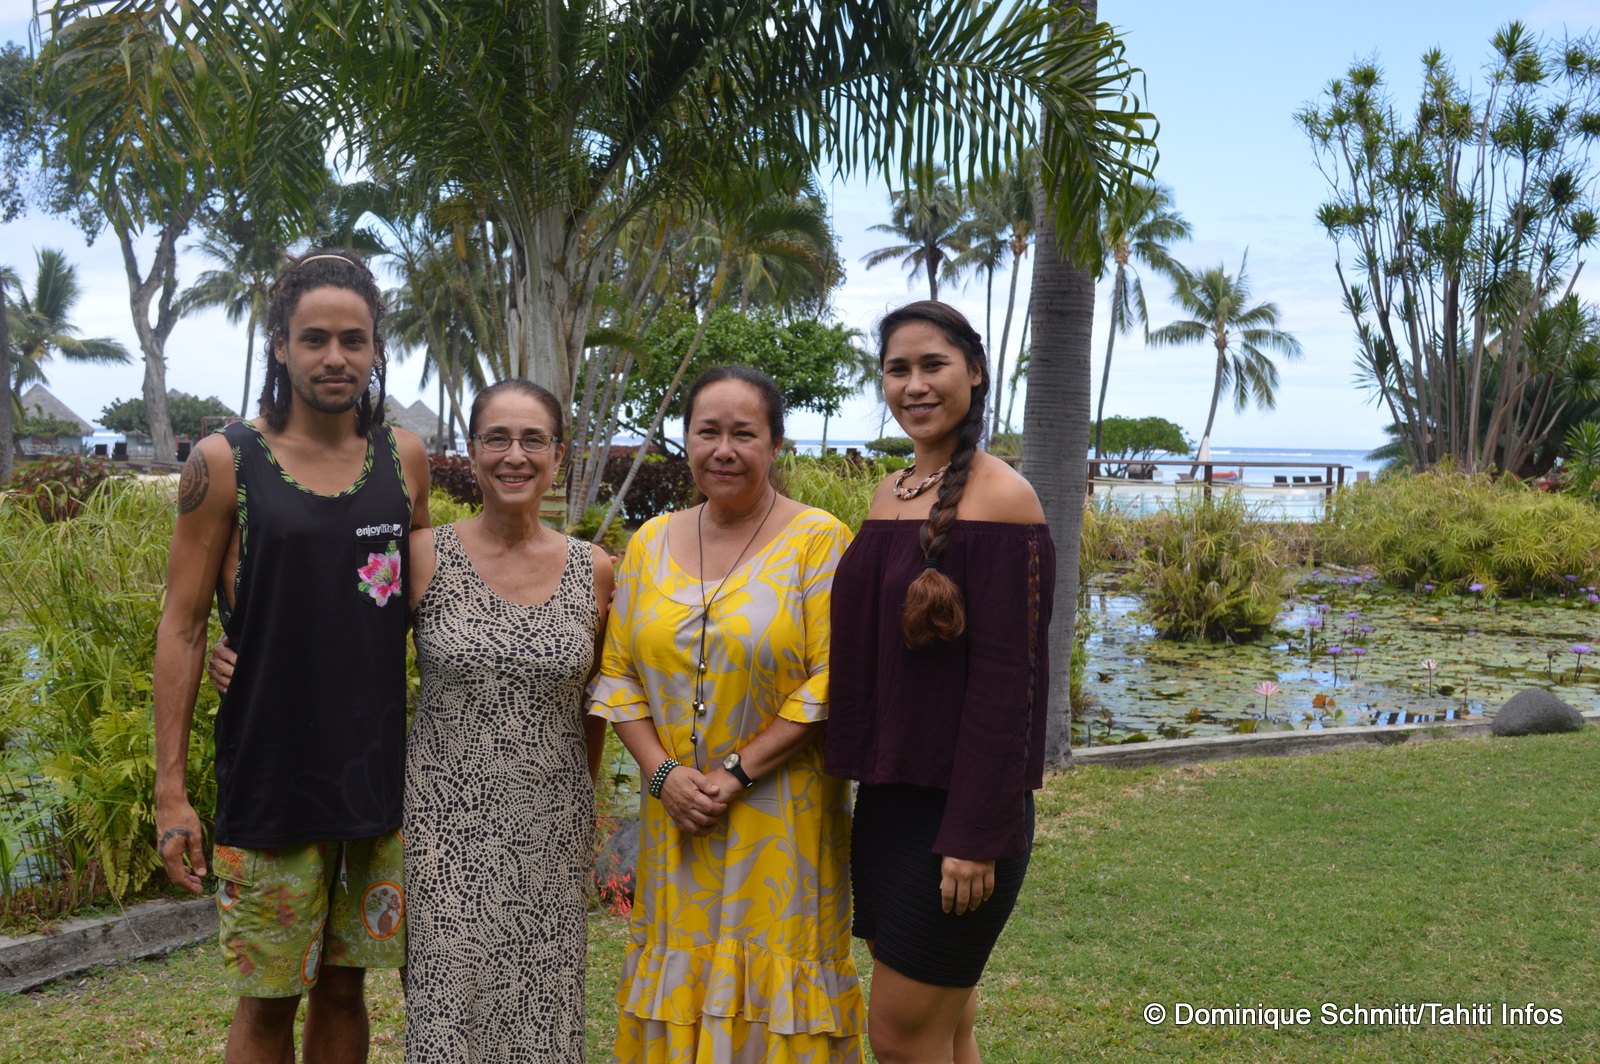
(298,521)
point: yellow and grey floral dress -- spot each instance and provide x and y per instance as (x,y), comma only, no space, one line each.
(741,940)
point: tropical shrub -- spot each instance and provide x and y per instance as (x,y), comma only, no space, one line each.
(444,508)
(1210,570)
(837,485)
(188,415)
(1110,536)
(662,485)
(1005,444)
(588,524)
(43,426)
(79,605)
(56,487)
(1581,449)
(1128,439)
(452,475)
(898,446)
(1446,528)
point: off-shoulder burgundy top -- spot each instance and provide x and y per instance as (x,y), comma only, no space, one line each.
(965,716)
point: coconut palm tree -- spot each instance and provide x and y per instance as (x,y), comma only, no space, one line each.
(1056,414)
(929,219)
(1242,335)
(1138,224)
(1008,198)
(40,323)
(239,285)
(567,119)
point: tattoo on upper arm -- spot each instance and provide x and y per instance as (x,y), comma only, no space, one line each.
(194,483)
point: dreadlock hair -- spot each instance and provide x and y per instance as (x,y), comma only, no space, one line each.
(320,268)
(935,609)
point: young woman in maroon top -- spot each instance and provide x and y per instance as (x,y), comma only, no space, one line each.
(940,613)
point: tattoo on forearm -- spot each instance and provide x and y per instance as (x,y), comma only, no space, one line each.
(194,483)
(172,833)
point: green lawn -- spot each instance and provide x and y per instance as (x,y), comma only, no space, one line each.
(1457,872)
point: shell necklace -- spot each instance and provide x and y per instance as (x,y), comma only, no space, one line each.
(903,492)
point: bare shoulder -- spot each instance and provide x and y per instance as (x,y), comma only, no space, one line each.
(603,564)
(207,486)
(410,444)
(413,453)
(996,492)
(418,477)
(882,496)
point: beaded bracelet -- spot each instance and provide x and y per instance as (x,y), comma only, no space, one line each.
(660,777)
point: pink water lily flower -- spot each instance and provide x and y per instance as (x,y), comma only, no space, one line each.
(1266,689)
(380,577)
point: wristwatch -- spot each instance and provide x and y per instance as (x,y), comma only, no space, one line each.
(731,763)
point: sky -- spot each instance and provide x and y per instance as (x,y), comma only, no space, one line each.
(1225,91)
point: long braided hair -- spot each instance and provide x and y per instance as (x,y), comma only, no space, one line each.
(320,268)
(935,609)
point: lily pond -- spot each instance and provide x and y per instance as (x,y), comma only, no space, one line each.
(1345,650)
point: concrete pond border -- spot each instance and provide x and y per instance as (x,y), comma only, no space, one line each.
(156,928)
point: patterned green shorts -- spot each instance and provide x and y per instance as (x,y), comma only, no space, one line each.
(286,912)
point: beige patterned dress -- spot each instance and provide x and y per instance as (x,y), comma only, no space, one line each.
(740,949)
(499,818)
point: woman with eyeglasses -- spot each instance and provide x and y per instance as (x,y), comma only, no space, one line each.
(501,759)
(715,675)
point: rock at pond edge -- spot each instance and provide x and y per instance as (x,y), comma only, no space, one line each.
(1536,711)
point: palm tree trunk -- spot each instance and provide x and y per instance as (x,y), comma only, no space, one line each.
(1056,441)
(988,312)
(1005,340)
(438,432)
(1211,418)
(7,428)
(1111,339)
(1022,345)
(249,358)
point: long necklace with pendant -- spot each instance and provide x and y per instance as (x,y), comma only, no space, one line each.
(903,492)
(705,609)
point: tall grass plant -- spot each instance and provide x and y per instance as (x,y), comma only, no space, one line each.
(838,485)
(79,603)
(1449,529)
(1211,570)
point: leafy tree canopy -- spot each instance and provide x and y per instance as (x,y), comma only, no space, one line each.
(1137,438)
(809,360)
(44,426)
(14,69)
(186,411)
(895,446)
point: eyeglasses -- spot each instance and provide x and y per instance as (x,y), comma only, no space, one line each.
(532,443)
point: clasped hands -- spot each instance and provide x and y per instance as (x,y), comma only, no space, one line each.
(696,800)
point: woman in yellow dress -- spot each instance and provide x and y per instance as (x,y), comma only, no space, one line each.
(715,675)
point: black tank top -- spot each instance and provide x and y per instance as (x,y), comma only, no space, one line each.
(311,734)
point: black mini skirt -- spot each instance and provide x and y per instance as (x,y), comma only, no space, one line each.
(895,875)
